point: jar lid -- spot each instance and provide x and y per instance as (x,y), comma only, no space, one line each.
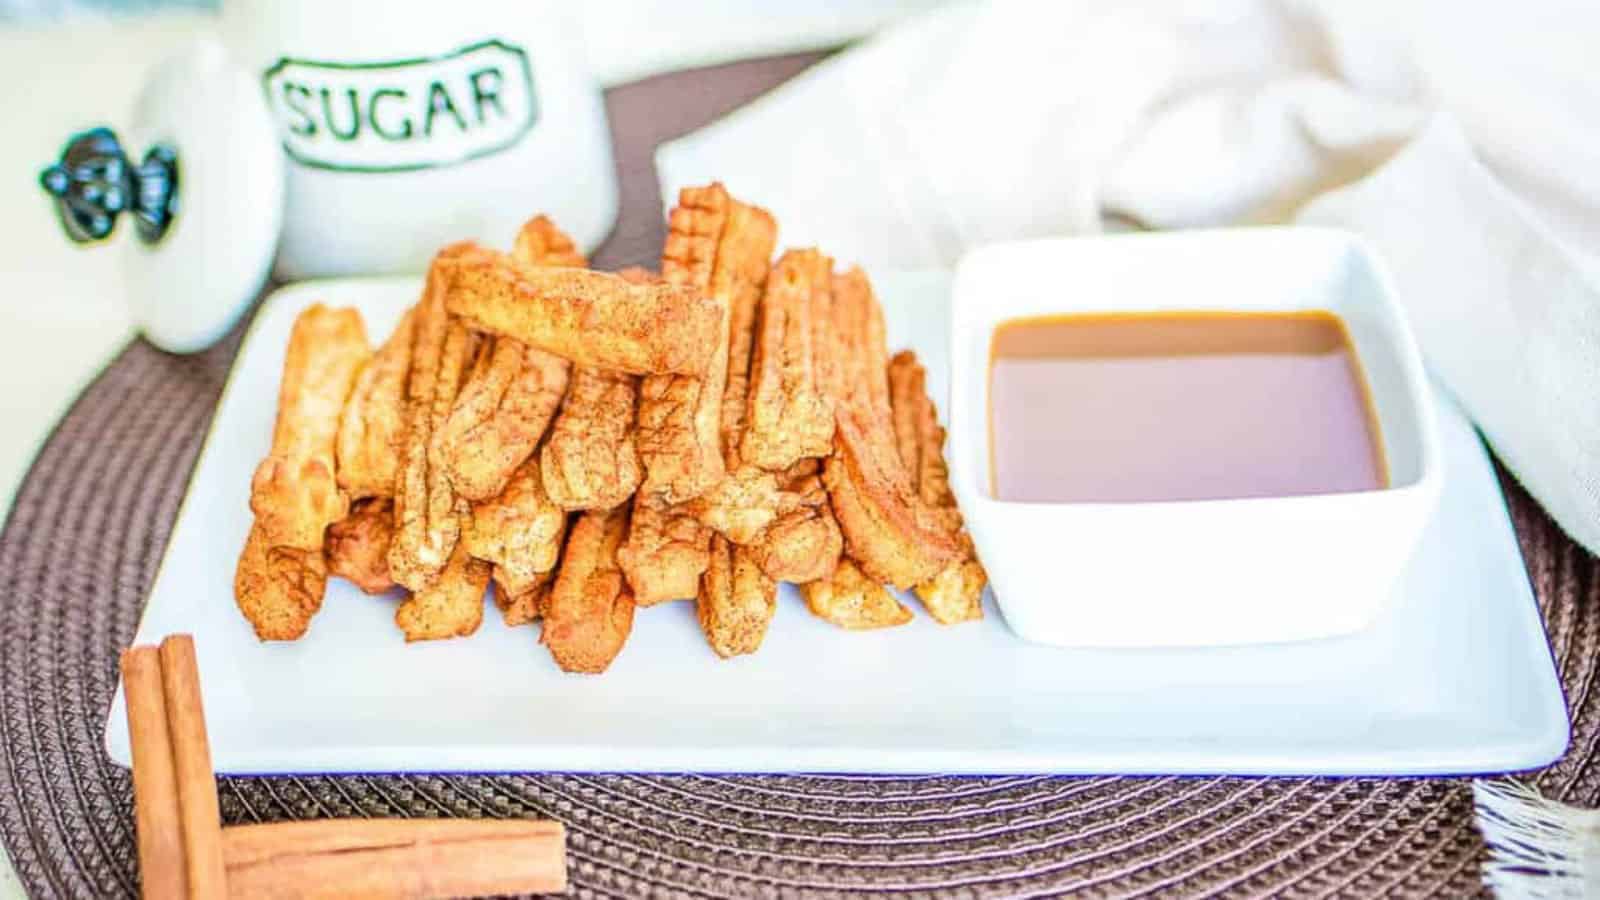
(206,197)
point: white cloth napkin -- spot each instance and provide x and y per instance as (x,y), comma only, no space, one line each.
(1462,139)
(684,34)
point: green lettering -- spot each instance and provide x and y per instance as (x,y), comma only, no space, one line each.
(306,126)
(487,94)
(372,115)
(439,101)
(355,115)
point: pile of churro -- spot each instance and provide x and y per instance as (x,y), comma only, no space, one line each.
(591,442)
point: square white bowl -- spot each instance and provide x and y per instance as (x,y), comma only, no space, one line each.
(1230,571)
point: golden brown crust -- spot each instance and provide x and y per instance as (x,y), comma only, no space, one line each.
(736,601)
(851,600)
(510,399)
(888,529)
(679,414)
(918,435)
(428,513)
(372,427)
(294,492)
(595,319)
(788,413)
(357,546)
(665,553)
(500,415)
(450,607)
(541,243)
(590,460)
(721,248)
(743,310)
(638,275)
(955,593)
(860,343)
(520,531)
(718,248)
(907,389)
(278,589)
(741,507)
(589,612)
(525,605)
(803,543)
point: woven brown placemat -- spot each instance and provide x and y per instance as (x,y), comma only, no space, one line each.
(91,521)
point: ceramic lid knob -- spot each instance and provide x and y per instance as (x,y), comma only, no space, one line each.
(206,197)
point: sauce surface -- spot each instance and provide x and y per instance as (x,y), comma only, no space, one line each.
(1179,406)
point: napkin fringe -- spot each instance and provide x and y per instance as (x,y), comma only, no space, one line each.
(1538,848)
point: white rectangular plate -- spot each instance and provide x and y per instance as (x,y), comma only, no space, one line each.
(1455,677)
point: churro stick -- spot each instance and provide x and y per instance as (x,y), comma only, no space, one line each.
(742,505)
(955,594)
(372,427)
(589,613)
(803,543)
(918,435)
(427,511)
(278,589)
(358,545)
(736,601)
(452,606)
(849,599)
(501,414)
(859,349)
(590,460)
(888,529)
(665,553)
(720,249)
(595,319)
(294,493)
(508,402)
(519,532)
(540,243)
(789,413)
(524,603)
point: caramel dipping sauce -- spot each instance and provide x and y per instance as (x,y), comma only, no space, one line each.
(1179,406)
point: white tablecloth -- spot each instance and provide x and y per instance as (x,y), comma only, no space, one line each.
(1458,139)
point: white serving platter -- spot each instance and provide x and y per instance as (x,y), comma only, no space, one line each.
(1455,676)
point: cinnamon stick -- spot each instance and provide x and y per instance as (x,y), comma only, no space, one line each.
(197,783)
(246,844)
(184,851)
(157,820)
(410,858)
